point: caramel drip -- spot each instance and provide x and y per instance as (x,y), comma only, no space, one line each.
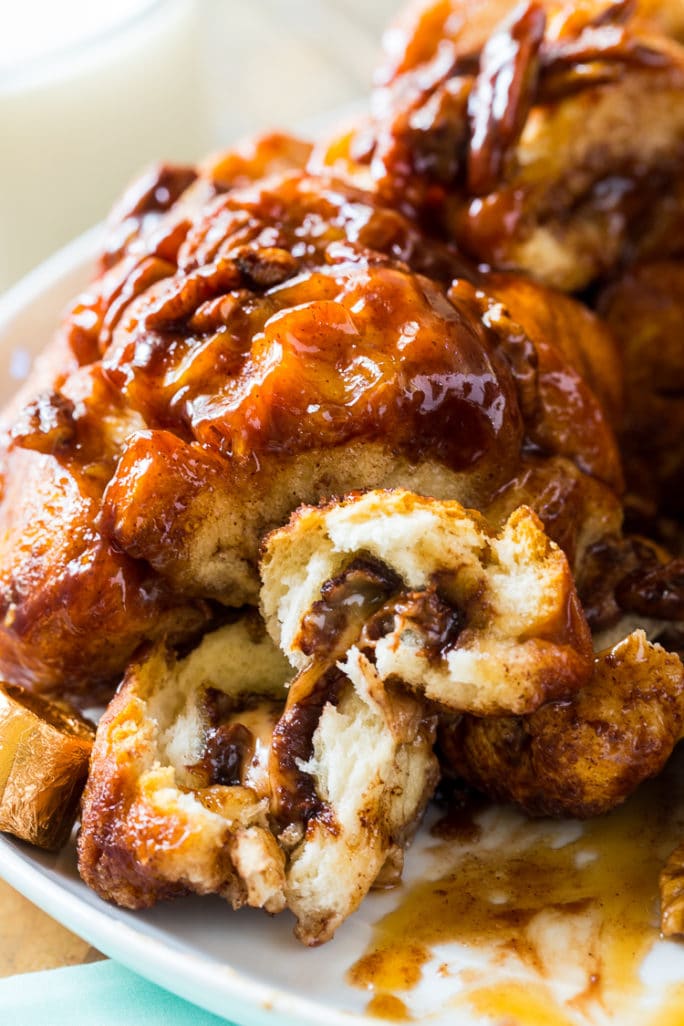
(586,909)
(389,1008)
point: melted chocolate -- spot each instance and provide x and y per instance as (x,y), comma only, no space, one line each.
(227,749)
(294,793)
(437,621)
(347,601)
(229,745)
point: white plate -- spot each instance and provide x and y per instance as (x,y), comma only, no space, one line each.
(247,966)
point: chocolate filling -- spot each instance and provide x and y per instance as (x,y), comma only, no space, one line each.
(294,794)
(436,620)
(229,745)
(347,602)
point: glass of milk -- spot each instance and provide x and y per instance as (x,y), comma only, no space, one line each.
(90,93)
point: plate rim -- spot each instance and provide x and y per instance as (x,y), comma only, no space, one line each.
(193,977)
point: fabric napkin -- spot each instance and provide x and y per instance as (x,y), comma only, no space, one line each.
(101,994)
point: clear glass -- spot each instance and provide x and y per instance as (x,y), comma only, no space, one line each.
(78,122)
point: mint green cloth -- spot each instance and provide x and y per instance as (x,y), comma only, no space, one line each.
(101,994)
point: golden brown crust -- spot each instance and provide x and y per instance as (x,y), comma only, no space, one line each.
(182,793)
(169,807)
(74,610)
(555,321)
(582,756)
(108,859)
(566,367)
(577,511)
(272,328)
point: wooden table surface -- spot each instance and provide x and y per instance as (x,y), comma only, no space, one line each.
(334,44)
(30,940)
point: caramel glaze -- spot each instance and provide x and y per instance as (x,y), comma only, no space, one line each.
(388,1007)
(61,582)
(437,621)
(460,803)
(489,65)
(346,603)
(672,1011)
(321,336)
(290,318)
(140,210)
(599,890)
(645,310)
(460,84)
(353,351)
(634,575)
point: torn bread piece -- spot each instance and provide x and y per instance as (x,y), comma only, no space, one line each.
(391,605)
(352,769)
(178,795)
(585,755)
(471,619)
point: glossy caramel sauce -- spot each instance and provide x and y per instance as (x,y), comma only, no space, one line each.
(550,921)
(389,1007)
(291,322)
(462,84)
(333,356)
(513,1002)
